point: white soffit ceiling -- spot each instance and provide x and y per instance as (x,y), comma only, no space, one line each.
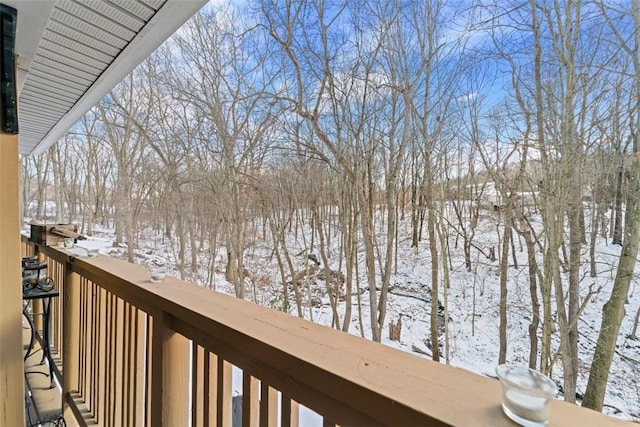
(72,52)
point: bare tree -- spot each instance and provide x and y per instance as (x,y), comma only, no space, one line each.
(116,111)
(35,180)
(613,311)
(227,81)
(319,91)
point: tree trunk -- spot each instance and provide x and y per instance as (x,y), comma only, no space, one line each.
(535,304)
(367,224)
(634,331)
(332,291)
(575,246)
(613,311)
(182,246)
(467,253)
(545,348)
(504,264)
(415,207)
(58,189)
(617,224)
(433,249)
(593,238)
(128,219)
(390,240)
(350,244)
(444,245)
(350,254)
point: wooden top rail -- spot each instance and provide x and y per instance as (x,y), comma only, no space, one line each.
(350,380)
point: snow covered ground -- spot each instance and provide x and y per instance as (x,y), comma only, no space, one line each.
(473,304)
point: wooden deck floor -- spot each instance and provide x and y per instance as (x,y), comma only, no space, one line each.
(43,403)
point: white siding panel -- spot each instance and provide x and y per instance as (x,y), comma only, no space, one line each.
(37,91)
(86,28)
(51,84)
(71,33)
(67,68)
(136,8)
(156,4)
(72,54)
(89,51)
(96,20)
(62,82)
(57,57)
(114,14)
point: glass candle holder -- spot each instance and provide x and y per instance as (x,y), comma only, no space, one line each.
(92,253)
(525,395)
(157,273)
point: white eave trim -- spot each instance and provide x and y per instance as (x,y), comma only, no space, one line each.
(164,23)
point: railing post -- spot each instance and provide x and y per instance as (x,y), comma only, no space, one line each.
(170,374)
(11,364)
(70,334)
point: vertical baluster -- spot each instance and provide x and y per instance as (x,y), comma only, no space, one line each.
(197,385)
(83,338)
(94,348)
(85,325)
(118,361)
(210,389)
(92,378)
(128,390)
(150,416)
(250,401)
(110,355)
(223,394)
(290,412)
(294,413)
(268,406)
(138,366)
(125,381)
(101,356)
(91,353)
(106,405)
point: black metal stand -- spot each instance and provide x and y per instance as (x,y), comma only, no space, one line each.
(45,296)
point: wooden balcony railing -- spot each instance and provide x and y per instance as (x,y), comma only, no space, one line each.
(136,353)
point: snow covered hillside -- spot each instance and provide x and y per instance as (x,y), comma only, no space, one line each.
(472,300)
